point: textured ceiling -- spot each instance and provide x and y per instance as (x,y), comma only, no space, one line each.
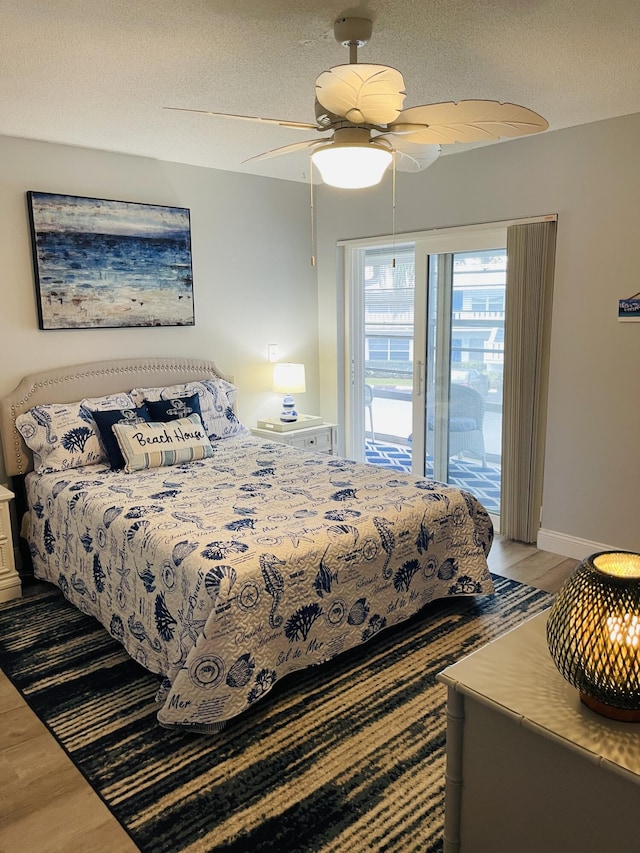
(98,74)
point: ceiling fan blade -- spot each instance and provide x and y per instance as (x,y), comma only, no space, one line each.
(466,121)
(300,125)
(285,149)
(412,157)
(363,94)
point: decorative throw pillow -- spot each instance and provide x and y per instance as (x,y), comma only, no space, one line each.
(216,397)
(165,392)
(109,402)
(61,436)
(152,445)
(224,421)
(105,421)
(171,410)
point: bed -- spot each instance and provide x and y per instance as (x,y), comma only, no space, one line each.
(227,568)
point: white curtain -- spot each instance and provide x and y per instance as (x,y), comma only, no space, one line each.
(530,262)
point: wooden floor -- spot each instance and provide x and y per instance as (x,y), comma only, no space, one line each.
(527,564)
(47,806)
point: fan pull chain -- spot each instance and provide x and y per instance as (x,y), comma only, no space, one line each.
(313,220)
(393,209)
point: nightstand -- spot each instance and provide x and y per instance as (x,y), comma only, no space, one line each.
(323,437)
(10,584)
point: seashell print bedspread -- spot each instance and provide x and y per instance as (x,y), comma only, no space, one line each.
(226,574)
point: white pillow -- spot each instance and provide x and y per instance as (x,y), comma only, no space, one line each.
(61,436)
(154,445)
(106,404)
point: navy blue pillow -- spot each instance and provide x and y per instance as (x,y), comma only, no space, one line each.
(171,410)
(106,420)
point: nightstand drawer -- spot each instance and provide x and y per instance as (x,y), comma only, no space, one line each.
(322,438)
(320,441)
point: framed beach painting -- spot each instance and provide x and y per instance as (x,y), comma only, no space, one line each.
(110,264)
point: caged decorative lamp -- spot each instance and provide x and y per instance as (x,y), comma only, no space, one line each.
(288,379)
(593,633)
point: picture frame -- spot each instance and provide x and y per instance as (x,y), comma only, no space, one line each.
(100,263)
(629,309)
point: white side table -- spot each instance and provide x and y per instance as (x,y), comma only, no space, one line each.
(529,767)
(323,437)
(10,584)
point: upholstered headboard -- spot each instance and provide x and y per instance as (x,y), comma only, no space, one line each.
(93,379)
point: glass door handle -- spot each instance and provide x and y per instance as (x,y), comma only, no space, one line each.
(418,378)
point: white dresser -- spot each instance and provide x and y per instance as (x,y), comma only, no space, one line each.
(530,769)
(322,437)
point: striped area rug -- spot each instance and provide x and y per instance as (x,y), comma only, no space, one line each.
(345,757)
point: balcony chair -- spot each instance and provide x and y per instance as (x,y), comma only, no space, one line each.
(466,417)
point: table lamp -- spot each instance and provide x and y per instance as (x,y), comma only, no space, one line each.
(593,633)
(288,379)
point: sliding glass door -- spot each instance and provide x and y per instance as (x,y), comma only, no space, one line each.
(425,351)
(387,331)
(464,362)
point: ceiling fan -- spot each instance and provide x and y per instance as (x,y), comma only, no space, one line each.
(361,106)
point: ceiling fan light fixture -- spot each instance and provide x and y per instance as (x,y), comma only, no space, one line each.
(352,166)
(355,99)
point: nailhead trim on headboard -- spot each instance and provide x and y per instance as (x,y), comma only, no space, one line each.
(175,369)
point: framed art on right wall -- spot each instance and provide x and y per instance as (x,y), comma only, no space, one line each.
(629,309)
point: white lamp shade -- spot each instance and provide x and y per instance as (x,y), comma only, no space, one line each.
(351,166)
(289,378)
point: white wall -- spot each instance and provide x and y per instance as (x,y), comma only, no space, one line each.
(253,280)
(590,177)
